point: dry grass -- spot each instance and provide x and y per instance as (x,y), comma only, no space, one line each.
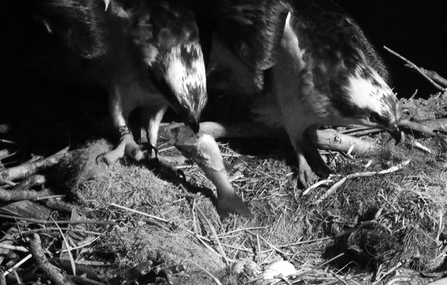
(368,226)
(370,230)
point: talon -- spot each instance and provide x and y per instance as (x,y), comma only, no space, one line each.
(102,158)
(232,204)
(155,149)
(181,175)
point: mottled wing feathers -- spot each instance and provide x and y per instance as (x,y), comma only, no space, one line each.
(164,23)
(325,29)
(255,37)
(80,23)
(251,29)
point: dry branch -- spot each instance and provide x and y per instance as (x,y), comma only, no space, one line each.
(438,124)
(433,75)
(332,140)
(27,169)
(84,280)
(414,126)
(414,66)
(53,273)
(326,139)
(26,208)
(18,195)
(31,181)
(7,239)
(342,181)
(59,222)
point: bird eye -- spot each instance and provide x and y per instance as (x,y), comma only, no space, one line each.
(376,118)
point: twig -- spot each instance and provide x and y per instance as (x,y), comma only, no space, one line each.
(141,213)
(31,181)
(17,265)
(207,272)
(79,247)
(53,273)
(433,75)
(414,66)
(10,183)
(417,127)
(7,239)
(60,222)
(2,278)
(70,256)
(19,195)
(318,184)
(421,147)
(84,280)
(305,242)
(55,229)
(328,139)
(275,248)
(338,184)
(24,170)
(399,264)
(13,247)
(213,231)
(362,224)
(7,141)
(361,131)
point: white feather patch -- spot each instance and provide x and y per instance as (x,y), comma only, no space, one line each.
(365,95)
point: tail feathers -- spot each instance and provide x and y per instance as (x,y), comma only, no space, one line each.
(80,23)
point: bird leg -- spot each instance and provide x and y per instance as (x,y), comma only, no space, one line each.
(310,163)
(127,146)
(203,150)
(305,174)
(153,116)
(312,154)
(120,108)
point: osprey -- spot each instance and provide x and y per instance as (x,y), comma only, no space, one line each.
(149,54)
(323,71)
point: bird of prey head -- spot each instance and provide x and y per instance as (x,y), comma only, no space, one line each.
(167,37)
(348,78)
(159,38)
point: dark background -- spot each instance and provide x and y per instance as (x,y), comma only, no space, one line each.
(415,29)
(38,97)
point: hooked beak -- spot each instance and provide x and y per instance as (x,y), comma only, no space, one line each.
(395,133)
(194,125)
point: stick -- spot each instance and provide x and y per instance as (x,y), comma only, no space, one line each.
(60,222)
(328,139)
(414,66)
(17,265)
(213,231)
(433,75)
(141,213)
(338,184)
(207,272)
(27,169)
(84,280)
(417,127)
(53,273)
(18,195)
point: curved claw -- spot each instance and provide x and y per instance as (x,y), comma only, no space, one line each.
(102,158)
(155,149)
(232,204)
(306,177)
